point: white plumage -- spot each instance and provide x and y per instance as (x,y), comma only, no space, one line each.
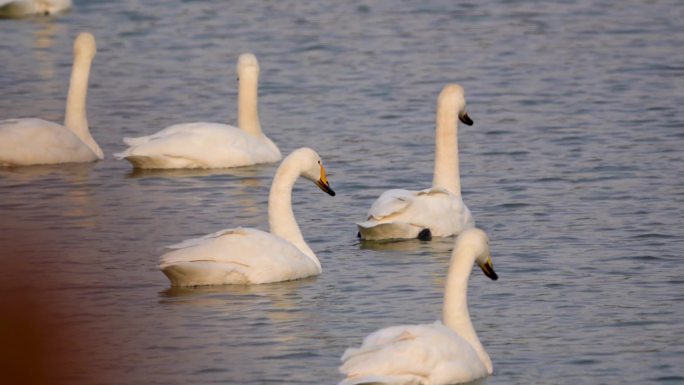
(29,141)
(437,211)
(251,256)
(236,256)
(210,145)
(398,214)
(23,8)
(430,354)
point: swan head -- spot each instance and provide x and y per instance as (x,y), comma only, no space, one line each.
(477,243)
(247,62)
(453,96)
(84,45)
(311,167)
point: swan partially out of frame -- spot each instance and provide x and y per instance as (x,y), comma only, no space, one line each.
(441,353)
(30,141)
(25,8)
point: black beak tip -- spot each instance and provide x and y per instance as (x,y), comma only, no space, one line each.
(489,272)
(325,187)
(466,119)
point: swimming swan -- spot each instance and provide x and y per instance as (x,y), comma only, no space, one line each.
(210,145)
(251,256)
(437,211)
(441,353)
(36,141)
(23,8)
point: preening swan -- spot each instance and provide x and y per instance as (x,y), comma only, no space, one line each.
(23,8)
(210,145)
(30,141)
(441,353)
(251,256)
(437,211)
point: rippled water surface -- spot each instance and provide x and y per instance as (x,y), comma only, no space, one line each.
(575,167)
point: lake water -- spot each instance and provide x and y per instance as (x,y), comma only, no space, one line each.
(574,166)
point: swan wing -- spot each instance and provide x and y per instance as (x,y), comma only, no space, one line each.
(238,255)
(404,214)
(390,203)
(417,354)
(395,202)
(37,141)
(199,145)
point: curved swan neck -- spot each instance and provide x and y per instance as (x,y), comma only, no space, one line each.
(281,219)
(248,112)
(455,312)
(75,117)
(447,173)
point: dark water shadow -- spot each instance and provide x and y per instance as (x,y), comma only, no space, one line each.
(239,172)
(436,245)
(266,289)
(69,171)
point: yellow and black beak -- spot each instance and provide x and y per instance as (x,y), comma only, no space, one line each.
(488,269)
(465,119)
(323,184)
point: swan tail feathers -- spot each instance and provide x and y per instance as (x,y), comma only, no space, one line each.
(121,155)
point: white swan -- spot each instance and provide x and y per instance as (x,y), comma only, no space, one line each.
(437,211)
(251,256)
(210,145)
(23,8)
(35,141)
(430,354)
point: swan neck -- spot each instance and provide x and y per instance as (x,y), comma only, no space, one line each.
(248,112)
(75,117)
(447,173)
(281,218)
(455,313)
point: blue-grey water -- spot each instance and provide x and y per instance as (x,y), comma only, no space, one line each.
(574,166)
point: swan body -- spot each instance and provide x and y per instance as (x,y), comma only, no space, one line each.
(210,145)
(400,214)
(441,353)
(251,256)
(437,211)
(31,141)
(23,8)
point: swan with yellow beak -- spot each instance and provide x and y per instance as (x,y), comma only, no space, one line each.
(251,256)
